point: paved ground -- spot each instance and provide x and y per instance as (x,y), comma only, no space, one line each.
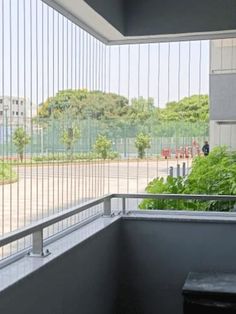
(42,190)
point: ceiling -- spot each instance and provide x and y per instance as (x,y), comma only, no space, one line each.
(127,21)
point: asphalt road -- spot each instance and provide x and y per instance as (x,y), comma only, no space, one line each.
(45,189)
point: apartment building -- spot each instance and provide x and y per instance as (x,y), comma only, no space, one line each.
(16,111)
(223,92)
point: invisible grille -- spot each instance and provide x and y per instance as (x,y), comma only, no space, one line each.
(47,148)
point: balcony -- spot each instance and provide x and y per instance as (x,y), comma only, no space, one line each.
(72,75)
(121,262)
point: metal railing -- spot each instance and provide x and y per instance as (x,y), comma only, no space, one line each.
(36,229)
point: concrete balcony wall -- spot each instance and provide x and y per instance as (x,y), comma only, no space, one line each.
(83,280)
(158,255)
(135,265)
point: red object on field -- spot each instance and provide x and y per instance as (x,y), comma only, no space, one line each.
(187,152)
(179,153)
(166,153)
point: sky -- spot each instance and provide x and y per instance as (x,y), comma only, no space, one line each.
(42,52)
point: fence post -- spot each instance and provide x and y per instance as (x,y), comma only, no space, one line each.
(184,169)
(37,245)
(123,206)
(171,171)
(178,170)
(107,207)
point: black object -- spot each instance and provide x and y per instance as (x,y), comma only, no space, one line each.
(210,293)
(206,149)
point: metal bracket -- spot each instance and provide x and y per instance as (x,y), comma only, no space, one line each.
(37,245)
(107,207)
(43,254)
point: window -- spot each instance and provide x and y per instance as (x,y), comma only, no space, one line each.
(22,103)
(13,112)
(17,102)
(17,113)
(1,113)
(22,113)
(0,101)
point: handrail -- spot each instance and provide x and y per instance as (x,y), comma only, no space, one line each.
(36,229)
(38,226)
(201,197)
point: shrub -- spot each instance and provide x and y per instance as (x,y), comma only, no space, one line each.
(20,140)
(212,175)
(69,137)
(102,146)
(76,156)
(6,173)
(142,142)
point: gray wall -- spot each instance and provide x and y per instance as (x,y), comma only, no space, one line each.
(111,10)
(84,280)
(157,256)
(151,17)
(154,17)
(132,267)
(223,96)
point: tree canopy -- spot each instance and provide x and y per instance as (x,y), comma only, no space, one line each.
(188,109)
(83,104)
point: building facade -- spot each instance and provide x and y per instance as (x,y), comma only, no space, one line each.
(223,93)
(15,111)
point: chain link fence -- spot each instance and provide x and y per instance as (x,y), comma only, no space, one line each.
(47,137)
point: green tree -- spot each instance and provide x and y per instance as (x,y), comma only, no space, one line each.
(102,146)
(142,110)
(110,108)
(20,140)
(189,109)
(83,104)
(142,142)
(69,137)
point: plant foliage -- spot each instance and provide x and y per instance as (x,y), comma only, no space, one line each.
(102,146)
(69,137)
(97,105)
(7,174)
(142,142)
(212,175)
(20,140)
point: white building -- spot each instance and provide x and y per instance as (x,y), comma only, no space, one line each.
(16,111)
(223,93)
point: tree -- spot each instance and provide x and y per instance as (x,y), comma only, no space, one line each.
(189,109)
(142,142)
(110,107)
(102,146)
(142,110)
(69,137)
(20,140)
(83,104)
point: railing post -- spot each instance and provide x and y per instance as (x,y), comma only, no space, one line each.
(123,205)
(37,244)
(178,170)
(107,207)
(171,171)
(184,169)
